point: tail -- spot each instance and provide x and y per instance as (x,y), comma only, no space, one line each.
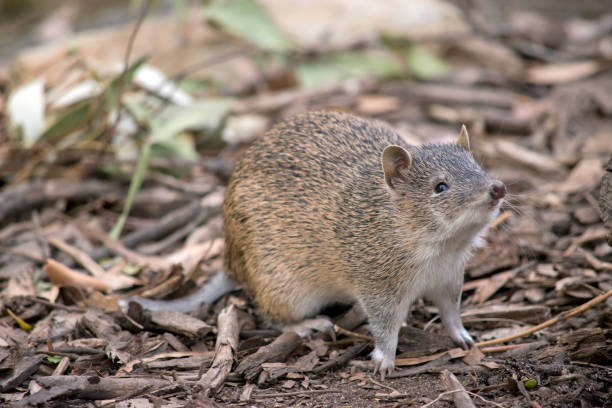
(210,292)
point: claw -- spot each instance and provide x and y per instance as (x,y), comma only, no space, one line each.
(383,365)
(332,333)
(462,337)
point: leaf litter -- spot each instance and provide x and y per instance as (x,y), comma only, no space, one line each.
(536,297)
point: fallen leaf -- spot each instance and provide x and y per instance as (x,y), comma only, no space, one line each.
(83,90)
(340,67)
(560,73)
(26,110)
(154,80)
(61,275)
(250,21)
(377,104)
(22,323)
(473,356)
(424,64)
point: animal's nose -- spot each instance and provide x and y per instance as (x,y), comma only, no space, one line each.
(497,190)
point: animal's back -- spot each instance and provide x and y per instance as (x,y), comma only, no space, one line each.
(284,207)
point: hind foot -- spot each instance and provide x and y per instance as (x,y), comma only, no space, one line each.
(307,327)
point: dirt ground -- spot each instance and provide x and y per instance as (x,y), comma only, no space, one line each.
(532,84)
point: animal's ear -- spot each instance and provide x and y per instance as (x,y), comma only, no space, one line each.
(396,162)
(464,138)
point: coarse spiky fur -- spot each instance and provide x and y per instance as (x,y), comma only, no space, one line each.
(312,218)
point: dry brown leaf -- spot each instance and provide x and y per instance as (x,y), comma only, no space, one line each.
(61,275)
(408,361)
(21,285)
(488,287)
(106,303)
(560,73)
(473,356)
(377,104)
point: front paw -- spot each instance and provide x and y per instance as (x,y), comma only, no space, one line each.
(462,337)
(384,363)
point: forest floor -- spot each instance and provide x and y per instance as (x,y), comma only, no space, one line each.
(536,95)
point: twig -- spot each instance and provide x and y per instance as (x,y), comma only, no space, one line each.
(166,225)
(56,305)
(295,393)
(393,390)
(445,393)
(18,199)
(79,256)
(587,364)
(501,218)
(344,358)
(450,382)
(349,333)
(562,316)
(499,349)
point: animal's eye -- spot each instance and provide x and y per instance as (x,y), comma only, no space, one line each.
(440,187)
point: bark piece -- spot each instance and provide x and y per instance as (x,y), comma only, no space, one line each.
(90,388)
(587,344)
(180,323)
(605,199)
(227,344)
(22,370)
(274,352)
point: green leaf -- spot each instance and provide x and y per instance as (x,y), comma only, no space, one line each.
(135,183)
(206,114)
(248,20)
(54,359)
(26,110)
(112,90)
(530,383)
(22,323)
(425,65)
(68,122)
(349,65)
(182,146)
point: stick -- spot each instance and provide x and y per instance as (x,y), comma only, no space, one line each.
(565,315)
(343,359)
(349,333)
(295,393)
(451,383)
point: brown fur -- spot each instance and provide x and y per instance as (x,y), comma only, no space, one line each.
(310,220)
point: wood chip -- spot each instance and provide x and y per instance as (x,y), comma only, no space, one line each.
(25,367)
(226,346)
(179,323)
(278,350)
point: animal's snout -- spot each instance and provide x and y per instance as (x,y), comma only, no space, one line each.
(497,190)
